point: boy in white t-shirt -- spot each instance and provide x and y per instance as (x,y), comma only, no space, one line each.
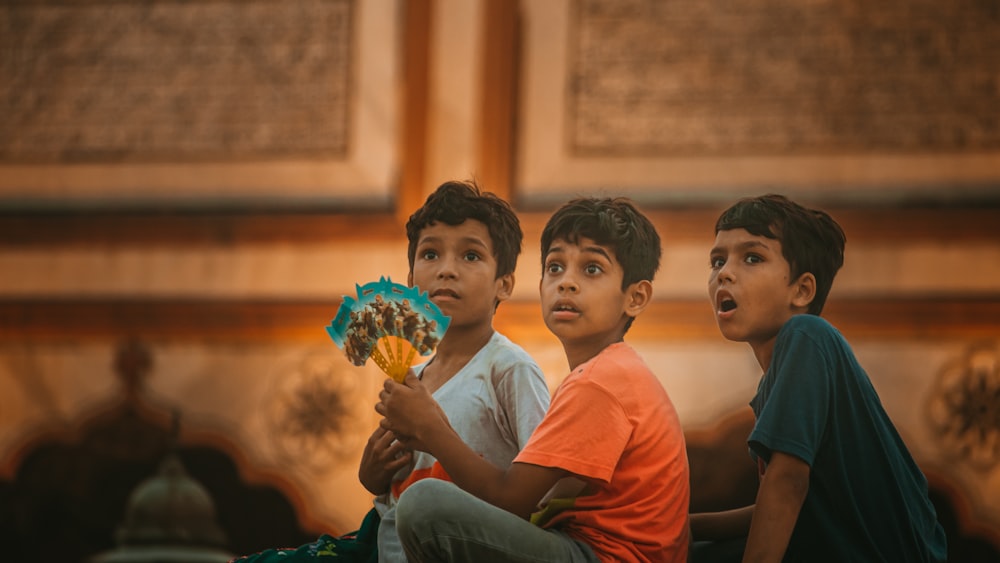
(463,248)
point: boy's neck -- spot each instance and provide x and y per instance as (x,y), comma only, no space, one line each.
(576,356)
(763,352)
(458,346)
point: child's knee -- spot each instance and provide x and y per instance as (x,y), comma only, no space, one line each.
(418,505)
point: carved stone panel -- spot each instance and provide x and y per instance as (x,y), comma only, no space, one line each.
(223,103)
(688,100)
(775,76)
(171,80)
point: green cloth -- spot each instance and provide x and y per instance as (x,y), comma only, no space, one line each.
(360,546)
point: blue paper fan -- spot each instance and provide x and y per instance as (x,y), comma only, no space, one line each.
(390,323)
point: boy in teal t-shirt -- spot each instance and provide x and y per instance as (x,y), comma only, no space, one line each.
(836,481)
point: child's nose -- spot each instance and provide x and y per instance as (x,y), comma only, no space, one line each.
(725,273)
(447,270)
(567,283)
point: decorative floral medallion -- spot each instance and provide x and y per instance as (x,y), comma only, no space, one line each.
(964,408)
(320,410)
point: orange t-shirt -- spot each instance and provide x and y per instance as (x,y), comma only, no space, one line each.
(612,424)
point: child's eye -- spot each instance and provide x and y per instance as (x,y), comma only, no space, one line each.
(553,268)
(592,269)
(753,259)
(428,254)
(472,256)
(716,262)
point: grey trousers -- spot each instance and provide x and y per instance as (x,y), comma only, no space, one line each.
(437,521)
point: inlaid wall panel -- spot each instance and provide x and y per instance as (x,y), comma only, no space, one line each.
(702,101)
(221,103)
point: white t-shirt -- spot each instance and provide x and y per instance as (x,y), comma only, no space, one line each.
(494,404)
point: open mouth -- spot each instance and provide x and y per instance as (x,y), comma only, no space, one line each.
(727,305)
(563,307)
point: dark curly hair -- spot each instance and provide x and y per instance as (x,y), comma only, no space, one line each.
(811,241)
(452,203)
(612,222)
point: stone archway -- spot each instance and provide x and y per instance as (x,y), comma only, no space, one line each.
(68,494)
(67,499)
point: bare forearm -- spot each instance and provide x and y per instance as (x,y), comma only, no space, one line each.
(779,500)
(476,475)
(723,525)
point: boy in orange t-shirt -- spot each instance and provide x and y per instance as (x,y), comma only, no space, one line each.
(611,433)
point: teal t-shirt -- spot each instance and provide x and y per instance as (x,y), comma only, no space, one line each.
(867,498)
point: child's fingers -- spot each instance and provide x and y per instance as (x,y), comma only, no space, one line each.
(411,380)
(400,461)
(407,443)
(380,443)
(383,398)
(396,447)
(384,438)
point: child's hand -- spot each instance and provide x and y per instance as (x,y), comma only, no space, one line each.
(411,413)
(382,458)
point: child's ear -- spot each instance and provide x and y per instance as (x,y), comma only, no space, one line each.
(637,297)
(505,287)
(804,291)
